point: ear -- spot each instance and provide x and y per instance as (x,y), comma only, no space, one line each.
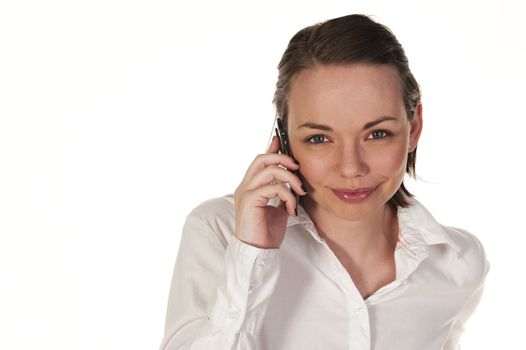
(416,128)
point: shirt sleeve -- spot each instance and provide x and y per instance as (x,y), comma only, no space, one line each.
(458,327)
(219,294)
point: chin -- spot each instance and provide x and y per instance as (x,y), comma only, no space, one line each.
(358,212)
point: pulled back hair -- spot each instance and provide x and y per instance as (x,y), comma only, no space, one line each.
(347,40)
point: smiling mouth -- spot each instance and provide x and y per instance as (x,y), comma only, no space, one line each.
(354,195)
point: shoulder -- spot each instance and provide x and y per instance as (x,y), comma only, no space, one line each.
(458,251)
(471,255)
(216,214)
(467,244)
(214,208)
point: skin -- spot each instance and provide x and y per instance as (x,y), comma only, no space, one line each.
(344,98)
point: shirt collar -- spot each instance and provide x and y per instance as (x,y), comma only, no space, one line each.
(418,228)
(418,225)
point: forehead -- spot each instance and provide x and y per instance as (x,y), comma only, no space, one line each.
(339,93)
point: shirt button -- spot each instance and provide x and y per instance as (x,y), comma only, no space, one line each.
(233,315)
(359,309)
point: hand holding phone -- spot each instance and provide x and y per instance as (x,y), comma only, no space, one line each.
(256,222)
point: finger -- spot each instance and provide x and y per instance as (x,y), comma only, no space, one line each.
(264,160)
(290,207)
(265,193)
(287,207)
(274,173)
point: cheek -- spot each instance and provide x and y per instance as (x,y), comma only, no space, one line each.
(391,162)
(313,167)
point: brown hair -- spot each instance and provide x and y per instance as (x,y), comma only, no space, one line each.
(346,40)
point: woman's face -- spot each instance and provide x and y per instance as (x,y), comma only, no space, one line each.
(348,129)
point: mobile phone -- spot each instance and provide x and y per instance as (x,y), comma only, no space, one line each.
(284,145)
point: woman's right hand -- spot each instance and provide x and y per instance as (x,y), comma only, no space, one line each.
(258,223)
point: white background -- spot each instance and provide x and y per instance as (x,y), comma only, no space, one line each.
(118,117)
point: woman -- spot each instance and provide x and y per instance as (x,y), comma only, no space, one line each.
(362,265)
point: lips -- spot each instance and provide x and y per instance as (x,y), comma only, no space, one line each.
(353,195)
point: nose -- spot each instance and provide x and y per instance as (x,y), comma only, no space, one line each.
(352,160)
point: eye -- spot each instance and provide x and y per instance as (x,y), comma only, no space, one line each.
(316,139)
(379,134)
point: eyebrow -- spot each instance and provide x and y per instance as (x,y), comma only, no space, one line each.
(368,125)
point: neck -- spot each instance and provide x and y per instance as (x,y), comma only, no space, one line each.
(374,237)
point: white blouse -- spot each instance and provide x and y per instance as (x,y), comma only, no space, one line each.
(226,294)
